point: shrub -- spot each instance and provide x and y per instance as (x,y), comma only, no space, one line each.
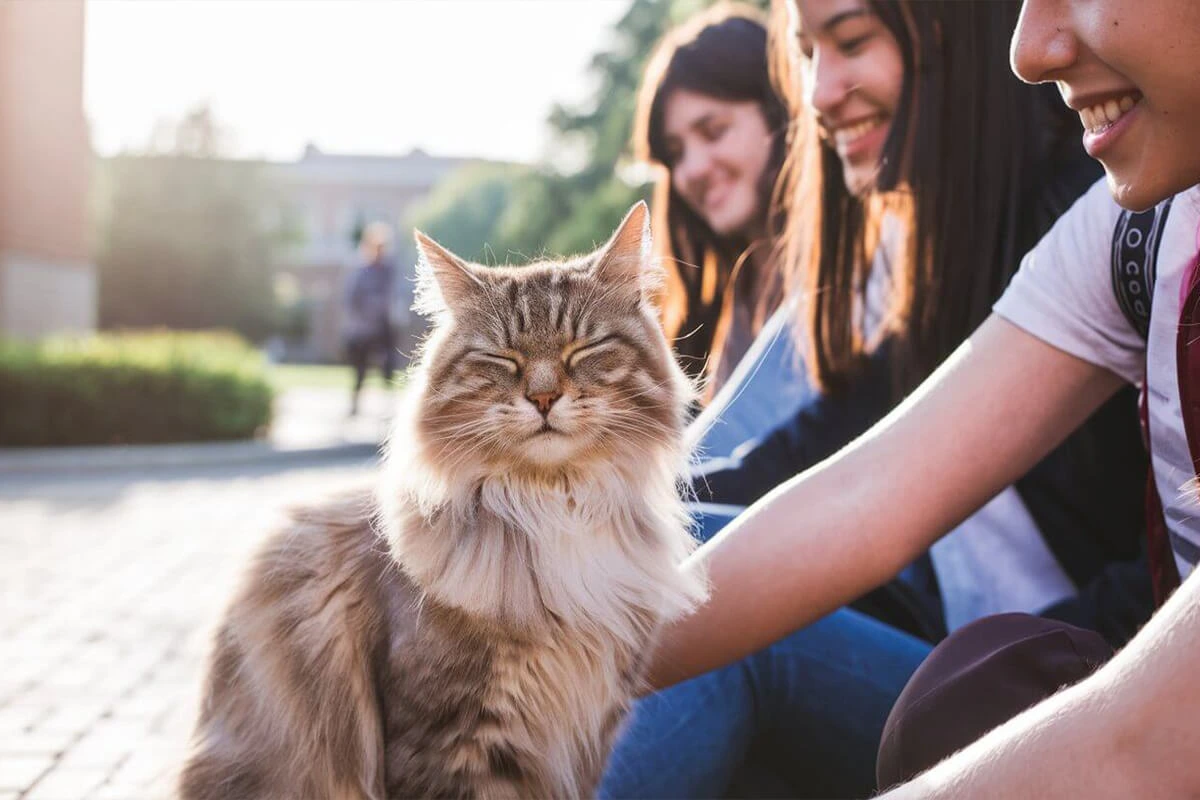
(131,388)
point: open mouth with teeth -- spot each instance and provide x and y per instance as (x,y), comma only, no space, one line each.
(849,134)
(1104,115)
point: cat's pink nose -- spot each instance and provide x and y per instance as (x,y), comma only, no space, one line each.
(544,400)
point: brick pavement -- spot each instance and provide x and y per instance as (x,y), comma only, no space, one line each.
(108,589)
(306,418)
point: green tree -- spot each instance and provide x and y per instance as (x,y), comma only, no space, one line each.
(183,240)
(464,211)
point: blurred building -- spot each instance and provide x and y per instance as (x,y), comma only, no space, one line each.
(330,198)
(47,280)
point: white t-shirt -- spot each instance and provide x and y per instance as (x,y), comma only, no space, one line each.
(1063,294)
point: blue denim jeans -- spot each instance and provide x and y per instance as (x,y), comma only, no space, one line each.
(801,718)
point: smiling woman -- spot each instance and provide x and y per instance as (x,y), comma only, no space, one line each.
(908,115)
(710,118)
(718,151)
(853,74)
(1097,55)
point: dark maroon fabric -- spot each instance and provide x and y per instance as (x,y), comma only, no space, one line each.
(1164,575)
(979,677)
(1187,370)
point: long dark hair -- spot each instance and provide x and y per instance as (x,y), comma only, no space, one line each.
(720,53)
(977,166)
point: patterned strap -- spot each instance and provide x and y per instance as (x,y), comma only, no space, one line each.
(1134,252)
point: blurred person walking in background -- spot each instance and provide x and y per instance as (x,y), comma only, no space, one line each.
(368,323)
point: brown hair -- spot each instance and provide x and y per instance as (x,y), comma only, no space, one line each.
(719,53)
(968,169)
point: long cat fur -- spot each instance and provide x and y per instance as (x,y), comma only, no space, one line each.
(477,625)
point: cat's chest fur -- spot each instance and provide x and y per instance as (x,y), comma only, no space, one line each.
(490,718)
(532,627)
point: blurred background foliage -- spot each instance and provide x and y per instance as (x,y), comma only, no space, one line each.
(508,216)
(188,238)
(182,240)
(145,387)
(181,236)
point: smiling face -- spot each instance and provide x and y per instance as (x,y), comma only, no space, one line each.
(717,152)
(1131,69)
(852,74)
(534,368)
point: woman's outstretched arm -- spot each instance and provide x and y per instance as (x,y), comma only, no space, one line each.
(996,407)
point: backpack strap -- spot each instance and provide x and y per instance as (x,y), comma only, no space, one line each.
(1134,251)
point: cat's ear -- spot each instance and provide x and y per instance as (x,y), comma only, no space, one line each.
(443,279)
(626,259)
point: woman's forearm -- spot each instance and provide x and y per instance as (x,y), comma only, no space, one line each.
(853,521)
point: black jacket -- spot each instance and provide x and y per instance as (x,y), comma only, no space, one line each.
(1087,498)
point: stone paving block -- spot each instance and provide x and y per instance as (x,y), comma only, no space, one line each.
(67,784)
(36,744)
(150,699)
(176,723)
(119,791)
(112,588)
(108,743)
(18,773)
(150,766)
(22,671)
(11,688)
(19,718)
(71,718)
(72,675)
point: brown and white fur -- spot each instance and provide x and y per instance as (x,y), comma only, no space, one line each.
(477,626)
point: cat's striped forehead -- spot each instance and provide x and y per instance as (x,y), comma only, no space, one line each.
(551,301)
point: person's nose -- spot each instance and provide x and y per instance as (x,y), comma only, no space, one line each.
(829,79)
(1043,44)
(693,171)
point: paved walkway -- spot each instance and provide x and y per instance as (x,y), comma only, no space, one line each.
(109,584)
(309,418)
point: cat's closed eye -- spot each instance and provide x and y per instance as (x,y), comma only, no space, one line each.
(499,359)
(591,348)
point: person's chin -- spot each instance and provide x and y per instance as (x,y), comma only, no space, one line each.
(860,173)
(1137,187)
(859,180)
(731,223)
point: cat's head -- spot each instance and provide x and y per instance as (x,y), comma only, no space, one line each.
(548,365)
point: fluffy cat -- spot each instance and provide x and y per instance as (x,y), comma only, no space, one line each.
(477,626)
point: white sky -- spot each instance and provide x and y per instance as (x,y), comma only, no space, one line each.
(455,77)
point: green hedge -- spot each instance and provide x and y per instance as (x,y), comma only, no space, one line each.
(132,388)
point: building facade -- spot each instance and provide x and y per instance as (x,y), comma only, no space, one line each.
(330,198)
(47,278)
